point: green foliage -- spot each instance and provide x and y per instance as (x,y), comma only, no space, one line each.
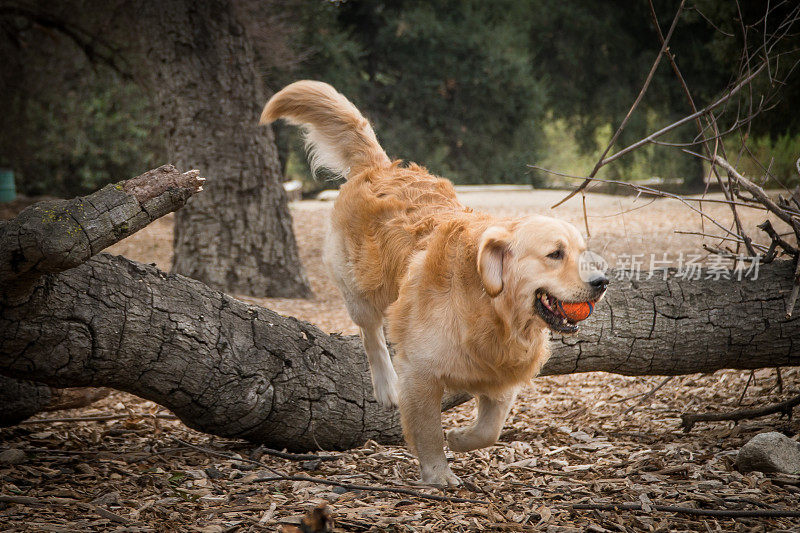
(778,154)
(475,90)
(71,126)
(448,85)
(79,140)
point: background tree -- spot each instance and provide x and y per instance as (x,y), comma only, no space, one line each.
(200,66)
(196,63)
(73,121)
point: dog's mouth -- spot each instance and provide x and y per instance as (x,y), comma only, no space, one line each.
(548,307)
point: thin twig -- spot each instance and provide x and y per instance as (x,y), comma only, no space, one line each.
(710,22)
(688,420)
(665,130)
(767,228)
(784,214)
(633,107)
(375,488)
(643,189)
(99,418)
(30,500)
(746,386)
(277,476)
(757,192)
(684,120)
(294,456)
(733,239)
(165,416)
(648,395)
(650,190)
(54,452)
(721,513)
(704,138)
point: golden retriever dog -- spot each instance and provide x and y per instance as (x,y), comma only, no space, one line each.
(468,297)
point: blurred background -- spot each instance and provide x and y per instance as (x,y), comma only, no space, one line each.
(474,90)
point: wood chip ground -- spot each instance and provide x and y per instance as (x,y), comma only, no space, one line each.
(567,441)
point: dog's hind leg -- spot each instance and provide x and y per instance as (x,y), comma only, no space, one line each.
(384,377)
(492,413)
(367,318)
(370,324)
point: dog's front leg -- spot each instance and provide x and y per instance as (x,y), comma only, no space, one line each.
(421,416)
(491,415)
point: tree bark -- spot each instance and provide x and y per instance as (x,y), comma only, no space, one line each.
(200,66)
(20,399)
(238,370)
(677,326)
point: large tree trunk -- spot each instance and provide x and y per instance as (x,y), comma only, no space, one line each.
(238,236)
(238,370)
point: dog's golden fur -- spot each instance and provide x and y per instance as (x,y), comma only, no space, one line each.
(457,286)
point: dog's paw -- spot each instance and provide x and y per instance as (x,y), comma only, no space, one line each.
(440,478)
(384,388)
(386,395)
(467,439)
(460,440)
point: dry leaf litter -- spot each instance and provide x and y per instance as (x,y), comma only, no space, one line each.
(568,440)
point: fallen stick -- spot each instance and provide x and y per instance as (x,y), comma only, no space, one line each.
(720,513)
(30,500)
(688,420)
(292,456)
(648,395)
(99,418)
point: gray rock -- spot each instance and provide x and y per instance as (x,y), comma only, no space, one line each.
(12,456)
(770,452)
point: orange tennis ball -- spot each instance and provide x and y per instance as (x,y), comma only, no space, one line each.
(577,311)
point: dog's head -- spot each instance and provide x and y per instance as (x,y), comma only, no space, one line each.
(532,266)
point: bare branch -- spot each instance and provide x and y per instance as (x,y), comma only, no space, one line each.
(51,237)
(635,104)
(649,190)
(688,420)
(666,129)
(693,511)
(757,192)
(744,83)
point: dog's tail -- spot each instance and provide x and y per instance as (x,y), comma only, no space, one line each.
(338,137)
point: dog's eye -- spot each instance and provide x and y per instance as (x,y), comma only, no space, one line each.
(558,254)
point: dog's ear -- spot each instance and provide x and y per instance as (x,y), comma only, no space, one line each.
(491,254)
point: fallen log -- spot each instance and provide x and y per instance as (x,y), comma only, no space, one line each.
(72,317)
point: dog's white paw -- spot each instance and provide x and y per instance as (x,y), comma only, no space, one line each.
(441,478)
(468,439)
(384,387)
(459,440)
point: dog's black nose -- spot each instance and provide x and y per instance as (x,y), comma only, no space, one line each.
(600,282)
